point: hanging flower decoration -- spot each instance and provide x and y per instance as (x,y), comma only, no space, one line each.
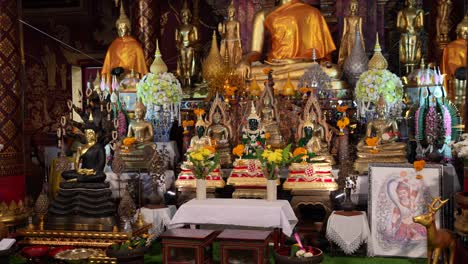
(199,111)
(344,121)
(374,83)
(159,89)
(419,166)
(239,150)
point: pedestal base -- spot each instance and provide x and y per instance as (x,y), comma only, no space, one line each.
(250,192)
(80,223)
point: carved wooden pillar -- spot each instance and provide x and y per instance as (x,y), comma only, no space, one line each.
(12,179)
(147,26)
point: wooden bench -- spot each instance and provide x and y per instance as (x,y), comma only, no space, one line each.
(237,243)
(186,245)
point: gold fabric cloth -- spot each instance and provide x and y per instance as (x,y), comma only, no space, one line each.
(55,177)
(454,57)
(296,28)
(127,53)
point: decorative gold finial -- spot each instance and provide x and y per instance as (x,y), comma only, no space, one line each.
(123,19)
(158,65)
(213,63)
(288,89)
(254,88)
(378,61)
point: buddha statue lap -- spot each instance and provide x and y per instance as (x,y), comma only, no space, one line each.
(380,144)
(220,136)
(84,201)
(138,154)
(124,51)
(296,29)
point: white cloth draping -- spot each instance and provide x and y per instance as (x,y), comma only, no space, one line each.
(237,212)
(349,232)
(159,218)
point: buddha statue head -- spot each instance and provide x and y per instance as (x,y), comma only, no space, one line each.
(410,3)
(231,11)
(140,110)
(90,136)
(308,127)
(381,107)
(200,126)
(217,118)
(253,120)
(462,28)
(123,24)
(353,7)
(186,14)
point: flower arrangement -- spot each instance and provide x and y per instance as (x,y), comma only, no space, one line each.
(186,124)
(304,90)
(238,150)
(419,166)
(134,243)
(159,89)
(199,111)
(203,161)
(272,160)
(267,70)
(375,83)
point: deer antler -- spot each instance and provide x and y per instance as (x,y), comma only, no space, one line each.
(434,202)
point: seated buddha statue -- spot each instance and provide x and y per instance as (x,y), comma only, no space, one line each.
(220,135)
(124,51)
(253,135)
(380,144)
(314,142)
(296,29)
(200,140)
(270,125)
(92,158)
(138,154)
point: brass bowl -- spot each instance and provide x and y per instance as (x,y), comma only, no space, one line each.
(76,256)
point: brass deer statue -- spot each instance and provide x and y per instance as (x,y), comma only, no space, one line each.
(438,241)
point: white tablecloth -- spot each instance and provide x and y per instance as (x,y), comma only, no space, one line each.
(349,232)
(238,212)
(160,218)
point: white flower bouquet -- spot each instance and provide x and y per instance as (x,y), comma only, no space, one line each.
(161,89)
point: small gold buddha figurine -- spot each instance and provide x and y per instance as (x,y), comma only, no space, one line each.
(220,136)
(296,29)
(352,23)
(380,144)
(443,22)
(124,51)
(231,42)
(186,38)
(200,140)
(314,141)
(139,128)
(410,22)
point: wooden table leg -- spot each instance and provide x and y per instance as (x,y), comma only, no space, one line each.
(276,238)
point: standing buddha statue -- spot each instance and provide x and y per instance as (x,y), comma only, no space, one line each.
(296,29)
(124,51)
(231,46)
(186,38)
(352,23)
(220,135)
(410,22)
(380,143)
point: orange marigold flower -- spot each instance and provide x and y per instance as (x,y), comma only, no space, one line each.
(210,148)
(419,165)
(199,111)
(342,109)
(129,141)
(374,151)
(187,123)
(267,70)
(304,90)
(372,141)
(267,135)
(342,123)
(238,150)
(298,151)
(419,176)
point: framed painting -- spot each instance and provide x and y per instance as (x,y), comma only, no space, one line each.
(397,193)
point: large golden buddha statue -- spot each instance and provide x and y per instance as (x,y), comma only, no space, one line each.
(124,51)
(454,57)
(410,22)
(380,144)
(296,29)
